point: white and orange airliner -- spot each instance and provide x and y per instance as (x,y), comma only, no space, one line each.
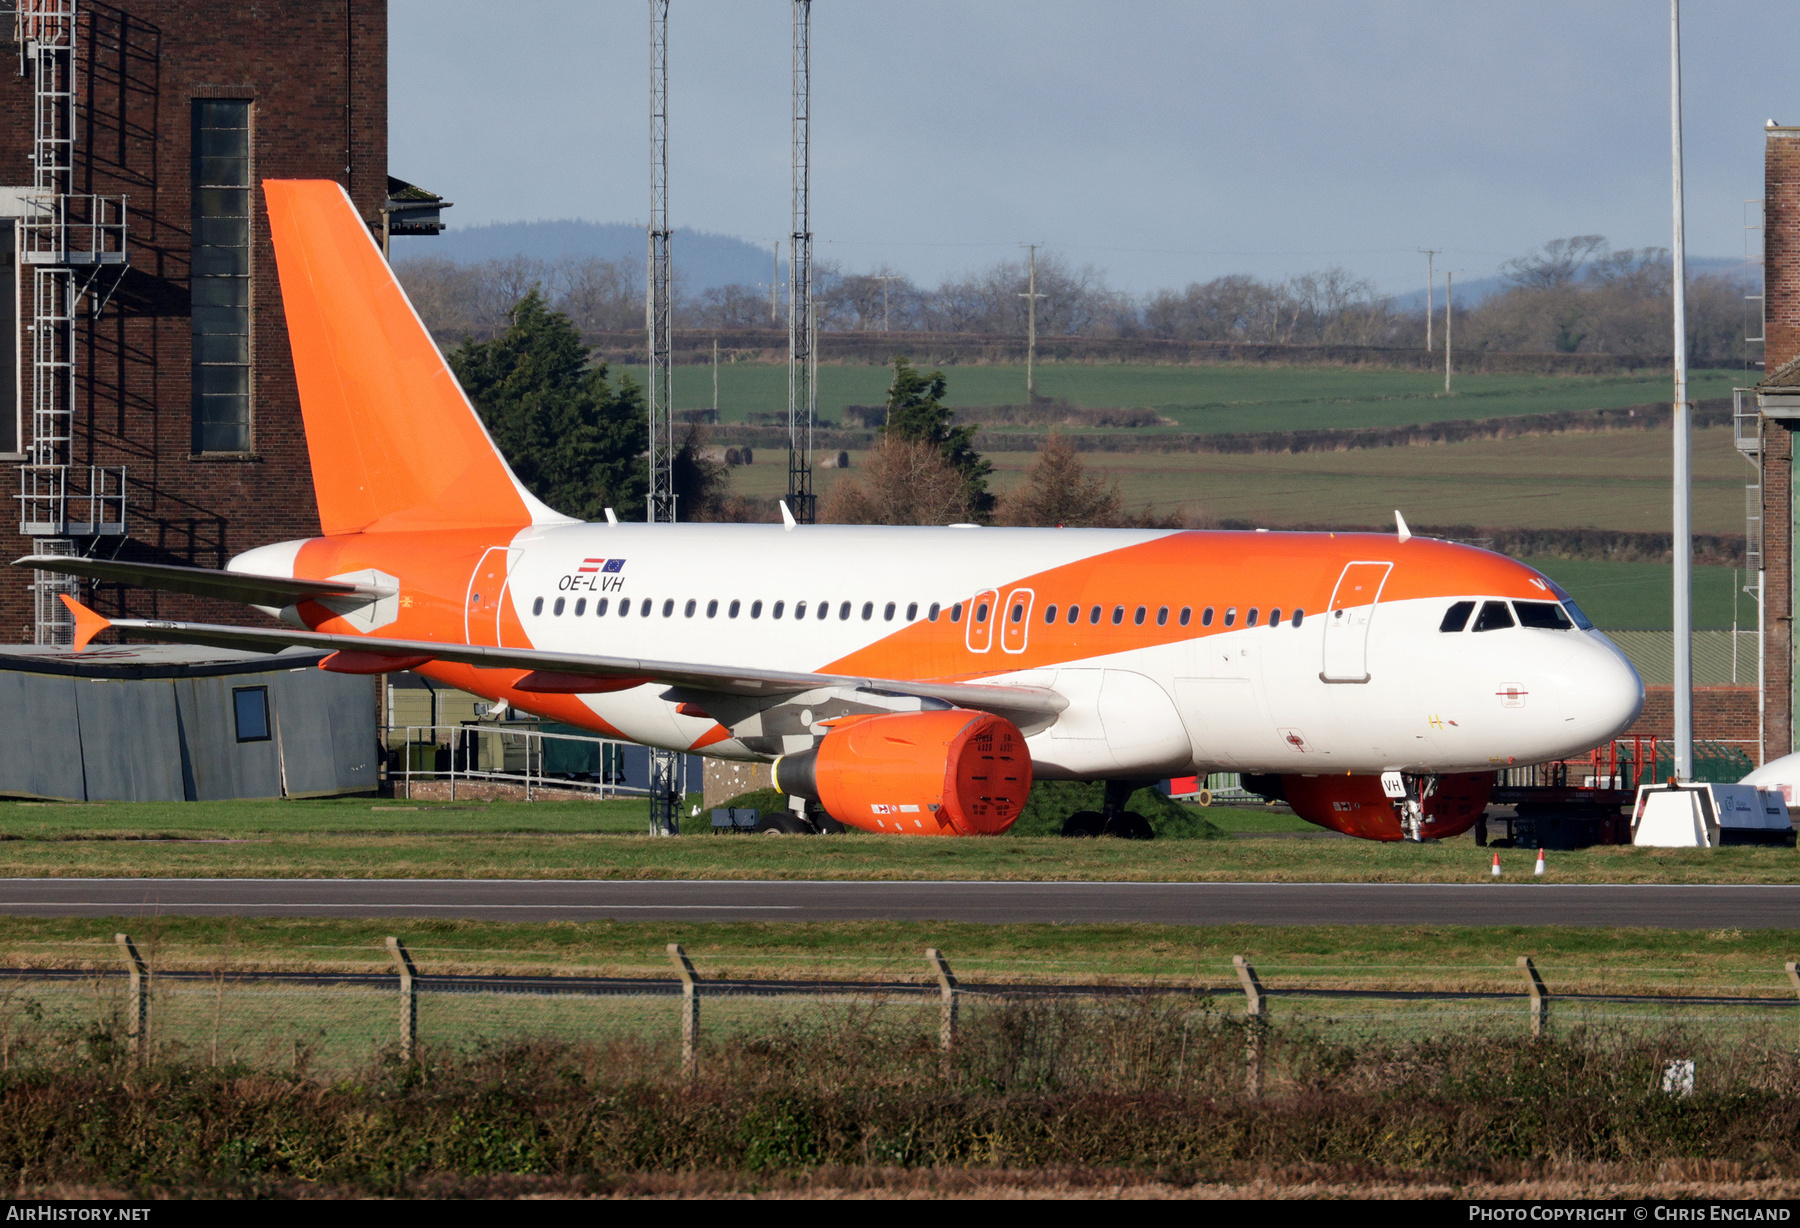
(912,681)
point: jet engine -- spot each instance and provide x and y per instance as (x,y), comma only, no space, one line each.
(952,772)
(1357,806)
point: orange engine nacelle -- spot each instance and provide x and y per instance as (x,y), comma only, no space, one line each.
(951,772)
(1356,806)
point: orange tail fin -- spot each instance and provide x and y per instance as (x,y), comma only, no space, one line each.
(394,442)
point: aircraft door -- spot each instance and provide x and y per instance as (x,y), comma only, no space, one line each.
(1015,630)
(487,593)
(1347,621)
(979,630)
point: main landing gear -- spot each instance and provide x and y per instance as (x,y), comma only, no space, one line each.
(803,820)
(1113,819)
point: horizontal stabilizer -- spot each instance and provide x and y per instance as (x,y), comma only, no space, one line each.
(204,582)
(556,669)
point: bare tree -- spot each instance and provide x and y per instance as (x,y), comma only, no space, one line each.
(1058,491)
(902,481)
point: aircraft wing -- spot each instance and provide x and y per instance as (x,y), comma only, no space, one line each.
(203,582)
(571,673)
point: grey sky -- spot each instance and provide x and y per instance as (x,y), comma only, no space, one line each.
(1162,142)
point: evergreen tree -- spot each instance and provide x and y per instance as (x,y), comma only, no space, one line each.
(574,439)
(916,413)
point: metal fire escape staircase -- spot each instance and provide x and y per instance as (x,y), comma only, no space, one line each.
(74,246)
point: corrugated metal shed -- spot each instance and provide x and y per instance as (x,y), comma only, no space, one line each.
(164,722)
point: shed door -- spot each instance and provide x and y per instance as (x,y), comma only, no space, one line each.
(1347,621)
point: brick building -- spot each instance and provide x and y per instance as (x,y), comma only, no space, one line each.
(183,379)
(1778,400)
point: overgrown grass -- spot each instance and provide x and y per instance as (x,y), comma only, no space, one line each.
(1154,1087)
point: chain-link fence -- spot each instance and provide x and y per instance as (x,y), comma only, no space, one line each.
(1216,1025)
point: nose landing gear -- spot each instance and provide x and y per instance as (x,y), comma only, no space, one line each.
(1409,792)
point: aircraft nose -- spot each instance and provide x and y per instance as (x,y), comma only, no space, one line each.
(1603,695)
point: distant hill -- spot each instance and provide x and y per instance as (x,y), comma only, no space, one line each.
(1472,291)
(702,260)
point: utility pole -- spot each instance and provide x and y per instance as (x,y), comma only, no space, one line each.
(802,388)
(663,765)
(1449,284)
(774,294)
(884,279)
(1684,437)
(1031,296)
(715,379)
(1430,279)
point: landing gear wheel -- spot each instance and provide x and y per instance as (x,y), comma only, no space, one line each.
(1130,825)
(825,825)
(1084,825)
(783,825)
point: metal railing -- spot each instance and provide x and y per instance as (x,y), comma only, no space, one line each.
(493,754)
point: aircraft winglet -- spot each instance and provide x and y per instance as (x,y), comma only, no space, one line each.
(87,623)
(1400,525)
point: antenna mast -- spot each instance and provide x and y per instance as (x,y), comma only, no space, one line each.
(658,313)
(803,395)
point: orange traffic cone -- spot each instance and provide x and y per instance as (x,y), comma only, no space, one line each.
(1540,864)
(1496,865)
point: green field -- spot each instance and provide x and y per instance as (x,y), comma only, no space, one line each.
(1605,480)
(351,839)
(1207,398)
(1639,595)
(1437,957)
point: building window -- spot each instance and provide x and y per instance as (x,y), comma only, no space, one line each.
(221,276)
(9,350)
(250,705)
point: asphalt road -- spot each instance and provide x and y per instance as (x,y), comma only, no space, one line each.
(1667,907)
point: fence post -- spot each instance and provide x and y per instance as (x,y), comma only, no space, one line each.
(946,980)
(1793,971)
(1540,997)
(409,998)
(690,1007)
(137,1002)
(1253,1015)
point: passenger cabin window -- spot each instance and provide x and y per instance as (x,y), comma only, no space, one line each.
(956,612)
(799,610)
(1206,617)
(912,611)
(1231,616)
(887,612)
(580,606)
(755,609)
(1018,614)
(537,607)
(932,613)
(687,611)
(1299,617)
(644,609)
(731,611)
(625,609)
(981,612)
(868,610)
(1494,616)
(1118,615)
(1074,615)
(1049,614)
(600,607)
(1250,618)
(1187,612)
(557,609)
(1457,616)
(1137,619)
(1545,615)
(844,611)
(1162,616)
(669,607)
(1094,616)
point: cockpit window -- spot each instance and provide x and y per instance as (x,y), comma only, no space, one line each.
(1544,614)
(1494,616)
(1457,616)
(1581,620)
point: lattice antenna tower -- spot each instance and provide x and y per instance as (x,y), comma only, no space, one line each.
(803,394)
(658,305)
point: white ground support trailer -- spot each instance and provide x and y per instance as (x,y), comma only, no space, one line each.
(1709,815)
